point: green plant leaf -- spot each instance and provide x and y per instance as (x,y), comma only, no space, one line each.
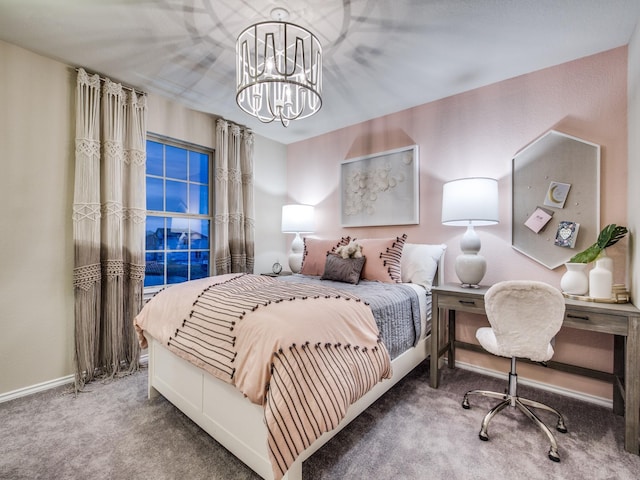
(588,255)
(610,235)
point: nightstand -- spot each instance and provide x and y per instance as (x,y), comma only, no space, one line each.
(281,274)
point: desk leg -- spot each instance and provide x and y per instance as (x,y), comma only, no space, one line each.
(451,355)
(632,387)
(619,347)
(434,360)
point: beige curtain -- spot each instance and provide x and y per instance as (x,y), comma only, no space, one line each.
(234,217)
(109,209)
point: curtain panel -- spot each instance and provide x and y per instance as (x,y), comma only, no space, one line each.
(234,203)
(109,211)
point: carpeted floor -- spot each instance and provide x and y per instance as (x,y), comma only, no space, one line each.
(111,431)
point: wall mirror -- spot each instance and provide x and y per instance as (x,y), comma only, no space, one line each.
(555,198)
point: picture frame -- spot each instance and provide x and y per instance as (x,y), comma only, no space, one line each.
(381,189)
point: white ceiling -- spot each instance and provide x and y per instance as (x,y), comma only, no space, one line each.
(380,56)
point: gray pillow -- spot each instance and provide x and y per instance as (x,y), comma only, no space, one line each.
(342,269)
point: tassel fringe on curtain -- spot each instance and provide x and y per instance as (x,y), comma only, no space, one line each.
(234,207)
(109,210)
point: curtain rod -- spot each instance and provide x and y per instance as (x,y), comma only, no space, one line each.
(103,79)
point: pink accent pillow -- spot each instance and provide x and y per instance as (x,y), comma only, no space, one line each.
(383,258)
(315,253)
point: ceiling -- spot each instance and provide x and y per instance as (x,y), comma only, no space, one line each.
(380,56)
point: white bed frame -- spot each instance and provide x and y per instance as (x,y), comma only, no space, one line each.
(236,423)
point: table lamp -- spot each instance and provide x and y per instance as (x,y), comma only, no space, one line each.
(470,202)
(297,219)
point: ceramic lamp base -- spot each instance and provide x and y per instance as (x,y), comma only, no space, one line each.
(470,269)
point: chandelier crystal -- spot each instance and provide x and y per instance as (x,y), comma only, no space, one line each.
(279,71)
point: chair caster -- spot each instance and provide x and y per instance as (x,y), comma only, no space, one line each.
(561,426)
(553,456)
(483,436)
(465,403)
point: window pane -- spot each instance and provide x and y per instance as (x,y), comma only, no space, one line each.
(177,267)
(176,162)
(155,194)
(154,233)
(199,199)
(176,197)
(154,270)
(199,167)
(199,265)
(154,158)
(178,235)
(199,234)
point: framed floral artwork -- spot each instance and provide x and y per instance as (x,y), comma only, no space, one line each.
(381,189)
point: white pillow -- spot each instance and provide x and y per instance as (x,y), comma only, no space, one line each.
(419,263)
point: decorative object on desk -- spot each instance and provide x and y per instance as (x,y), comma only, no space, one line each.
(575,280)
(276,268)
(567,234)
(470,202)
(297,219)
(557,194)
(279,70)
(619,294)
(600,281)
(538,219)
(610,235)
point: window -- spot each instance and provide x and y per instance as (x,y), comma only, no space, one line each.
(178,228)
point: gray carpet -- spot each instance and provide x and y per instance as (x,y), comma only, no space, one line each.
(111,431)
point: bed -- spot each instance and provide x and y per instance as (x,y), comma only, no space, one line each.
(248,406)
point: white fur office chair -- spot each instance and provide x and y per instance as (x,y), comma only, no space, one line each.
(524,318)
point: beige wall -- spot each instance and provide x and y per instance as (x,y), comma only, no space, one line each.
(476,134)
(36,193)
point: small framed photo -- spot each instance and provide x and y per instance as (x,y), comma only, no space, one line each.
(557,194)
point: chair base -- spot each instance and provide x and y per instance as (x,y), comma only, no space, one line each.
(510,398)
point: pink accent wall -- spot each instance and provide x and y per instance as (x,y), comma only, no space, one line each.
(477,133)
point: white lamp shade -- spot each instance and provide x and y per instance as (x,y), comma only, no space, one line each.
(298,219)
(470,201)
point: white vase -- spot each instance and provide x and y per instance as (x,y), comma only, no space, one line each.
(600,280)
(605,261)
(575,280)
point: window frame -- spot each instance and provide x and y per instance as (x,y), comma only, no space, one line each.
(149,291)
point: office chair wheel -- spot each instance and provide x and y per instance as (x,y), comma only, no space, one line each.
(561,427)
(465,403)
(483,436)
(553,455)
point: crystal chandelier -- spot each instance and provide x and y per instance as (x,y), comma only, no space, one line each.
(279,70)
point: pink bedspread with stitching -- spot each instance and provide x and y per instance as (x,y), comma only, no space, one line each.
(304,352)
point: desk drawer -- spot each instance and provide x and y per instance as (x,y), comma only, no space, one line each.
(595,322)
(461,303)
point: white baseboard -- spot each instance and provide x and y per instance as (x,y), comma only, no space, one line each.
(58,382)
(604,402)
(40,387)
